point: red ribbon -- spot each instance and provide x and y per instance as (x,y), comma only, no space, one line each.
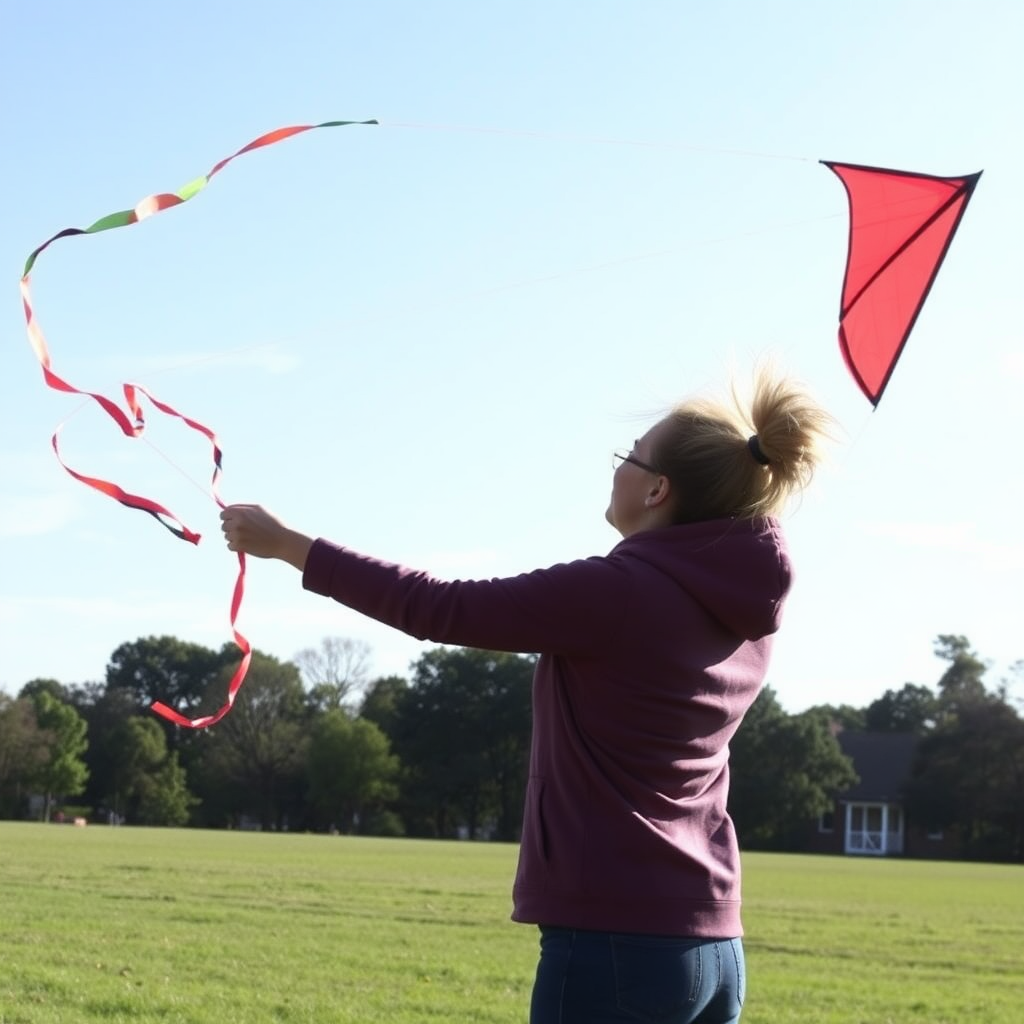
(132,422)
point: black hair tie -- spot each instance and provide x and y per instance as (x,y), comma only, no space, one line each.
(755,449)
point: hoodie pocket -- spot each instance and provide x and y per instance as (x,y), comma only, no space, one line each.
(534,820)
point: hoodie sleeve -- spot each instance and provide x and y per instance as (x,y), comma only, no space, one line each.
(571,608)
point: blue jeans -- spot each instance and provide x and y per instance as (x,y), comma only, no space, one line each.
(586,977)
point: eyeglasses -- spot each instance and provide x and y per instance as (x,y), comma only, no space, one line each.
(619,457)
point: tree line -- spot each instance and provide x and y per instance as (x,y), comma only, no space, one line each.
(310,744)
(315,743)
(967,776)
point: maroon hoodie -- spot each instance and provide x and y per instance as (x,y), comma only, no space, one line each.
(650,657)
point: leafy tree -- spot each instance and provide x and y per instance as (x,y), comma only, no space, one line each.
(969,770)
(151,787)
(24,749)
(462,735)
(845,716)
(785,770)
(63,773)
(911,709)
(166,669)
(260,747)
(963,681)
(382,702)
(164,796)
(351,771)
(1011,684)
(335,672)
(58,691)
(105,711)
(969,777)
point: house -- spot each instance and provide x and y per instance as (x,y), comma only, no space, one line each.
(870,818)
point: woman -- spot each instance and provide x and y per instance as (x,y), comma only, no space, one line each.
(650,656)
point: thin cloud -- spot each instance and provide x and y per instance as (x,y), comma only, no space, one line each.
(1014,363)
(951,537)
(271,357)
(35,516)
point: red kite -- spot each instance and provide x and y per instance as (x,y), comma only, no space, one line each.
(901,225)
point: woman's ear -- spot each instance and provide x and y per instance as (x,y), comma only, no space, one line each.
(659,492)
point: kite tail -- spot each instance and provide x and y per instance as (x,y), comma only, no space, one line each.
(131,420)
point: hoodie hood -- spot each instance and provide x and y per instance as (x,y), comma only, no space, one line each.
(738,570)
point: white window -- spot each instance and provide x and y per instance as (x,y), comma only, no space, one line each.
(874,829)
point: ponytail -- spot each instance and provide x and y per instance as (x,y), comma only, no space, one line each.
(742,460)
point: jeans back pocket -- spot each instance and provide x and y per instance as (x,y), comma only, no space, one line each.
(660,979)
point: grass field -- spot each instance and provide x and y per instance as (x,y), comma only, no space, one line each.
(188,927)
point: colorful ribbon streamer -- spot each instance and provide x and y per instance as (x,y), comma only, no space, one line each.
(132,423)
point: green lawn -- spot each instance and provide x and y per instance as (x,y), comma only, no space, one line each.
(863,941)
(175,926)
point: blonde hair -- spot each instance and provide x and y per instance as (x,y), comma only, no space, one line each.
(742,459)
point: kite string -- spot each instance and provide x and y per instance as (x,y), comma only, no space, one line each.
(156,204)
(553,136)
(457,298)
(206,492)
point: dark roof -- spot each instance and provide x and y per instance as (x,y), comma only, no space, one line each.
(883,760)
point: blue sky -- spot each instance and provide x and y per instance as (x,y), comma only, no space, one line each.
(423,339)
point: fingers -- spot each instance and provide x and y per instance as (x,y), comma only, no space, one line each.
(252,530)
(235,522)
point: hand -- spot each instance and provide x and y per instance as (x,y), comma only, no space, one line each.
(252,530)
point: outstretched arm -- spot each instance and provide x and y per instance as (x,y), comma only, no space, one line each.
(575,607)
